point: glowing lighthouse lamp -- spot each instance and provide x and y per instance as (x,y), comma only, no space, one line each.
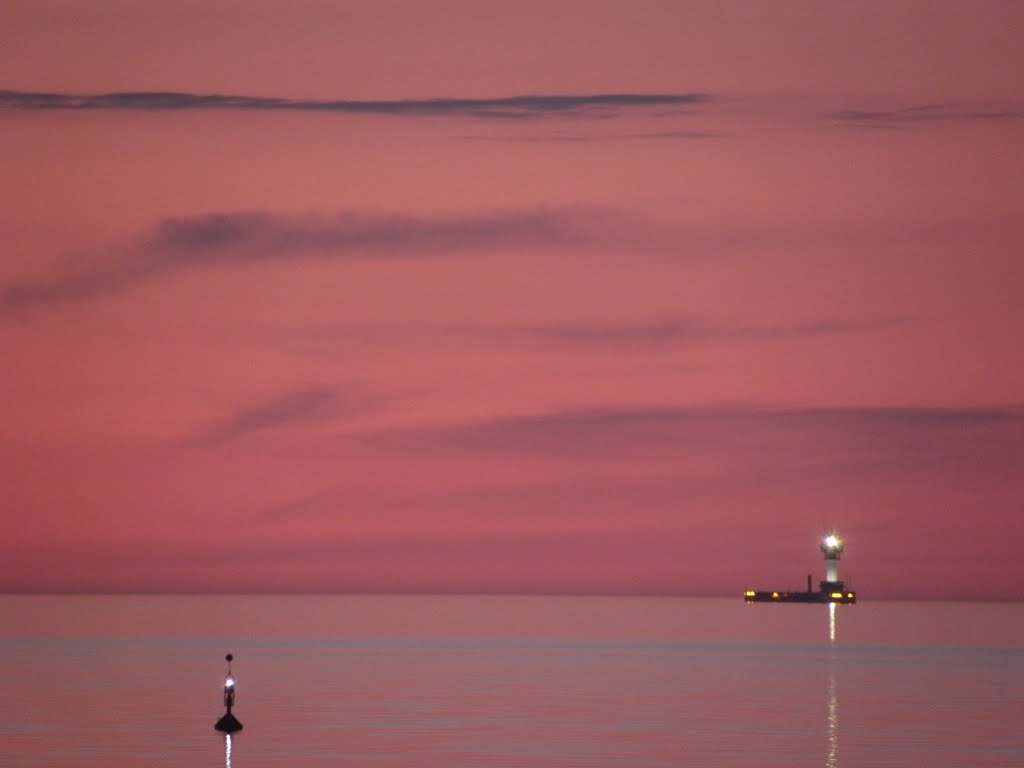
(832,548)
(229,723)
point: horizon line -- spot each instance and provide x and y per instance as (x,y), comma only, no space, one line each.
(461,593)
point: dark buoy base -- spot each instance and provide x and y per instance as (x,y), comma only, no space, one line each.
(229,724)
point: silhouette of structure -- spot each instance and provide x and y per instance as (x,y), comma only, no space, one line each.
(830,590)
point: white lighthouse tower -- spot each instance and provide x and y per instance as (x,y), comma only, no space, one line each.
(832,548)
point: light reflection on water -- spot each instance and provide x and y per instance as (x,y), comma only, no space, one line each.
(832,712)
(832,721)
(510,682)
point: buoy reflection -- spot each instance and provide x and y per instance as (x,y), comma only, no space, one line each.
(227,750)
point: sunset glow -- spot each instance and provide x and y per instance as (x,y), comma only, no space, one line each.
(540,297)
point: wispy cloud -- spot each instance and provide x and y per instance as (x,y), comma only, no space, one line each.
(239,239)
(905,117)
(675,486)
(674,331)
(282,409)
(586,138)
(889,433)
(502,107)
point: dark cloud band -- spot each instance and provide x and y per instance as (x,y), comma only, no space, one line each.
(874,431)
(904,117)
(672,331)
(524,106)
(238,239)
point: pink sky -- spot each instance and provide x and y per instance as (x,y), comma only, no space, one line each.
(614,297)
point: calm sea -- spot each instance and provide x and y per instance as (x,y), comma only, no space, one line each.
(426,682)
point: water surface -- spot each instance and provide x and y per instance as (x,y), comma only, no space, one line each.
(425,682)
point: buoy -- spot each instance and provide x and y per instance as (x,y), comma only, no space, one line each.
(229,723)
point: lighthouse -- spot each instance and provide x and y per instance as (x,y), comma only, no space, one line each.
(830,590)
(832,548)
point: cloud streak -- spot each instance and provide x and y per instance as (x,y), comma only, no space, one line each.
(281,410)
(239,239)
(581,138)
(675,331)
(893,432)
(244,238)
(905,117)
(502,107)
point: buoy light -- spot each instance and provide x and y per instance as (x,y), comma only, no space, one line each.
(228,723)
